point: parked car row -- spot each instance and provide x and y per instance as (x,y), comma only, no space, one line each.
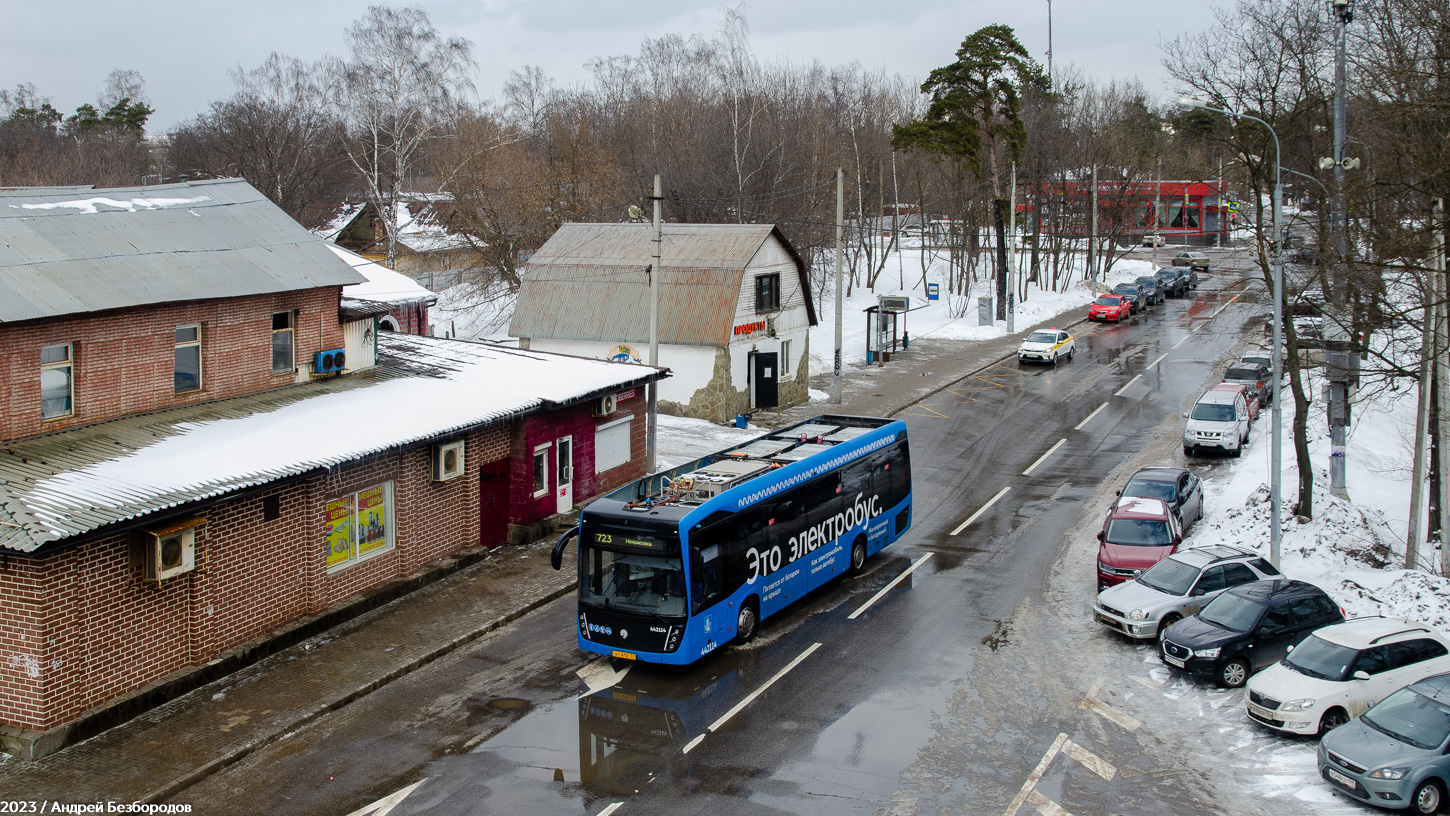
(1375,690)
(1143,293)
(1222,417)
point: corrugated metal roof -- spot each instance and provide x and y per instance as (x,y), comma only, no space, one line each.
(68,250)
(587,282)
(57,486)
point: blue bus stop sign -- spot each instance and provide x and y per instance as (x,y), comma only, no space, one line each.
(933,291)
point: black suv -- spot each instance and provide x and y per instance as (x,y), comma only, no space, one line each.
(1174,281)
(1155,290)
(1255,379)
(1247,628)
(1135,293)
(1182,491)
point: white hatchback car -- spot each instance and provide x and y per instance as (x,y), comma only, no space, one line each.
(1339,671)
(1046,346)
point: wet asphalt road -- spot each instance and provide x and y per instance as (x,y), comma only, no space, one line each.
(972,687)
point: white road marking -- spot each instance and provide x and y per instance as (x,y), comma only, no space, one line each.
(888,587)
(1159,360)
(385,805)
(1093,704)
(1034,777)
(1221,308)
(1041,803)
(1046,806)
(1129,385)
(600,674)
(1180,342)
(611,809)
(1090,417)
(750,698)
(1152,684)
(1090,760)
(980,510)
(1043,457)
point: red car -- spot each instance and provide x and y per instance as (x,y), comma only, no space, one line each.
(1110,307)
(1138,533)
(1251,399)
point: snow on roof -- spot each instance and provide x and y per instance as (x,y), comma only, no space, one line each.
(60,485)
(1143,505)
(383,284)
(424,230)
(342,216)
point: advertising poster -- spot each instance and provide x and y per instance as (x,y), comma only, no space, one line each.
(372,519)
(338,532)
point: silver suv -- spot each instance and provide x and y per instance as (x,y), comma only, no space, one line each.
(1176,587)
(1219,419)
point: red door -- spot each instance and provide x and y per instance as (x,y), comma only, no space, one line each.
(493,503)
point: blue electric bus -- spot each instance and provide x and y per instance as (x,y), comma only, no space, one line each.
(673,565)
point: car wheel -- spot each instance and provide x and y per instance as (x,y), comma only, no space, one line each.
(1071,352)
(1168,620)
(858,555)
(1187,450)
(1332,719)
(1239,449)
(1234,673)
(1054,359)
(1428,797)
(746,623)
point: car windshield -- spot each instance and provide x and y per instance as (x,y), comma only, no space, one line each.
(1042,337)
(1233,612)
(1213,412)
(1129,289)
(1107,301)
(1139,533)
(646,583)
(1411,717)
(1167,276)
(1148,281)
(1150,489)
(1241,374)
(1170,576)
(1318,657)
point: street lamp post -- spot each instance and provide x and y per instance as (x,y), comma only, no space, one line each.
(1276,465)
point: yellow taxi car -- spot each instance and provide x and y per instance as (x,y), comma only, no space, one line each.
(1046,346)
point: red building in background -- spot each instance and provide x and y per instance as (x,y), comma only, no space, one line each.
(1191,212)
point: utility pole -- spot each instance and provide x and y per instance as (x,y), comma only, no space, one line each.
(840,227)
(1158,213)
(654,332)
(1337,346)
(1414,536)
(1049,45)
(1092,256)
(1012,254)
(1442,391)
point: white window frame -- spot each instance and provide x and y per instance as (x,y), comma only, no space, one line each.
(291,332)
(181,344)
(70,379)
(784,361)
(541,457)
(356,556)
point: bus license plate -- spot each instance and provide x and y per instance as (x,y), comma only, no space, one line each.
(1173,661)
(1342,779)
(625,655)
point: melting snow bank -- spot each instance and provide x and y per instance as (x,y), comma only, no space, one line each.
(1353,549)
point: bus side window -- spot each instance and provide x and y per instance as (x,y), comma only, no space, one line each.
(707,573)
(900,464)
(856,478)
(787,519)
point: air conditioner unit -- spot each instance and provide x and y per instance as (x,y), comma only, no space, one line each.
(447,461)
(169,554)
(329,362)
(605,405)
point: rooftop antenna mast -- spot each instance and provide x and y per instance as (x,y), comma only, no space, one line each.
(1049,41)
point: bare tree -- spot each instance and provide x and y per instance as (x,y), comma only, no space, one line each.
(403,84)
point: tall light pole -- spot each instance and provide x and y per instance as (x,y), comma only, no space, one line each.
(1337,354)
(1276,466)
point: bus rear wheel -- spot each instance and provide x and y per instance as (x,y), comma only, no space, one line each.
(746,623)
(858,554)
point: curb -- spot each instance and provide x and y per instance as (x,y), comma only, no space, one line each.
(241,752)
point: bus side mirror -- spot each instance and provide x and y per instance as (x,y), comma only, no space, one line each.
(556,558)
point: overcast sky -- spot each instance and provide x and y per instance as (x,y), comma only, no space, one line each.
(184,48)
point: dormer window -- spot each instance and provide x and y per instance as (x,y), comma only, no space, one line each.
(767,293)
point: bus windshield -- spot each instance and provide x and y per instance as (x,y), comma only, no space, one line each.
(633,581)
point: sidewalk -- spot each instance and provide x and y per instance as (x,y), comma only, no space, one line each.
(162,752)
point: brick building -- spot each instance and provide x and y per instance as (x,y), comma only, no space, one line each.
(187,464)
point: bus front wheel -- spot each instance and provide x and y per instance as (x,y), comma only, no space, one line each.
(745,625)
(858,555)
